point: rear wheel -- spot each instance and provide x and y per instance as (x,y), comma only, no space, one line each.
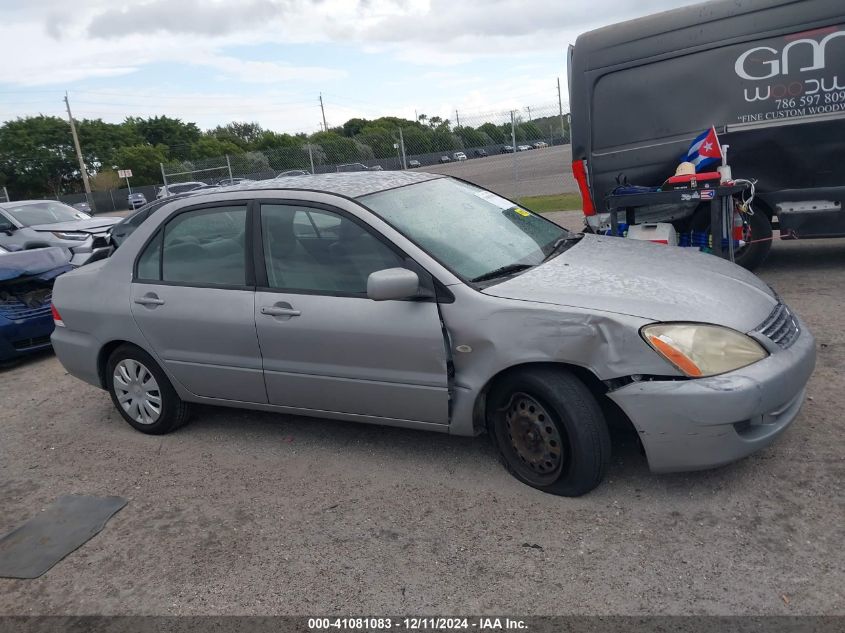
(142,393)
(549,430)
(756,233)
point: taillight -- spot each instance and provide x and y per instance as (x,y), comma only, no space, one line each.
(57,318)
(579,170)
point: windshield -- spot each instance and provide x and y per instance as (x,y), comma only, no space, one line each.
(471,231)
(46,212)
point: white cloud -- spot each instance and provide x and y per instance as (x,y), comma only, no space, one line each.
(202,17)
(267,72)
(45,45)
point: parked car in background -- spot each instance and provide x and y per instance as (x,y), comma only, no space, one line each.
(523,148)
(459,156)
(26,287)
(28,224)
(293,172)
(506,149)
(179,187)
(374,280)
(84,207)
(414,163)
(376,168)
(445,159)
(480,153)
(352,167)
(227,182)
(540,145)
(136,200)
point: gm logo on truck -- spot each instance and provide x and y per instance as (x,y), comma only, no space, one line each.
(777,63)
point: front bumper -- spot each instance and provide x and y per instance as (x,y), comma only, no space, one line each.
(26,336)
(91,249)
(707,422)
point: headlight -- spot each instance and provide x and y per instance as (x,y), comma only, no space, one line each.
(699,349)
(71,235)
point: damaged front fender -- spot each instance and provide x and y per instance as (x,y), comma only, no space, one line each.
(516,332)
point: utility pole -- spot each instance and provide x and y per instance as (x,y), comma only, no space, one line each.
(78,151)
(323,110)
(402,146)
(560,107)
(457,117)
(513,140)
(529,113)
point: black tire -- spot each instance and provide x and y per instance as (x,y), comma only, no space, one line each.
(173,411)
(752,255)
(568,415)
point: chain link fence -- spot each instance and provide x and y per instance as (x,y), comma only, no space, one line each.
(515,153)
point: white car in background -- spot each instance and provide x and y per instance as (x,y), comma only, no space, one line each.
(179,187)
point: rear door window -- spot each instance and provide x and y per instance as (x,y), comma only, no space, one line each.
(203,247)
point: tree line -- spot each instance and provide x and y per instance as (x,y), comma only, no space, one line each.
(37,156)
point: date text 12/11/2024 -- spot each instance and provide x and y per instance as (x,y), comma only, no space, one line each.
(416,624)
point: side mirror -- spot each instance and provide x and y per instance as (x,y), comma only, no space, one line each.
(6,226)
(393,283)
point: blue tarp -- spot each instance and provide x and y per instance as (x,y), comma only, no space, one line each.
(42,263)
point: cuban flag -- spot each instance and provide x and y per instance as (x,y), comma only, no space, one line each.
(704,151)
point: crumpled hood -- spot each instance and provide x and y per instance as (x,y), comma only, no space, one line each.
(92,225)
(37,261)
(647,280)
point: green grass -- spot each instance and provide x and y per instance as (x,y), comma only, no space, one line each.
(549,204)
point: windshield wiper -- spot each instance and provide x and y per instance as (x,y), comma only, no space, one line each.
(563,241)
(501,272)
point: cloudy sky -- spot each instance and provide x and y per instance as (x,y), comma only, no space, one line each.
(268,60)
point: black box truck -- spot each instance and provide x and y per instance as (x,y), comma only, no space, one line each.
(768,74)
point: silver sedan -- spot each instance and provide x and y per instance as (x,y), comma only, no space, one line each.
(416,300)
(28,224)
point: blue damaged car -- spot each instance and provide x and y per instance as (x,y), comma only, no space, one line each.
(26,288)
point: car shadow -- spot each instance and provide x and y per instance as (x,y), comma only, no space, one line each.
(804,255)
(466,458)
(23,361)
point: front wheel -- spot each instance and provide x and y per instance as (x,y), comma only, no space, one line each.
(549,430)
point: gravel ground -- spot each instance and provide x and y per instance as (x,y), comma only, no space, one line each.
(253,513)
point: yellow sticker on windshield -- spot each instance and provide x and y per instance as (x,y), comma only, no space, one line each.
(521,212)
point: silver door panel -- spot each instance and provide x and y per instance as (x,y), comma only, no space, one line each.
(205,336)
(355,355)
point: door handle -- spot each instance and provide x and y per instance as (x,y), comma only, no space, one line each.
(149,300)
(280,311)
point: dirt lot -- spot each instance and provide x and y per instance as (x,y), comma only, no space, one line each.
(245,512)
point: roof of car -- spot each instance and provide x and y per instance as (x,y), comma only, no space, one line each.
(347,184)
(20,203)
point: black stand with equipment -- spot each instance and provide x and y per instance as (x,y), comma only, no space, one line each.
(721,210)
